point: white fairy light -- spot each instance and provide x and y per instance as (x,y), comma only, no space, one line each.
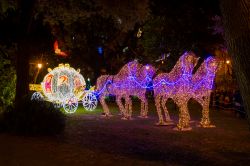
(62,83)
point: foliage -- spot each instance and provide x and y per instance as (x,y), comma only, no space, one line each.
(81,26)
(34,118)
(175,27)
(126,13)
(7,81)
(7,5)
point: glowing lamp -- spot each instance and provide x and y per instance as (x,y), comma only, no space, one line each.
(39,65)
(228,61)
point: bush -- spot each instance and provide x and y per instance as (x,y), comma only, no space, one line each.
(7,82)
(34,118)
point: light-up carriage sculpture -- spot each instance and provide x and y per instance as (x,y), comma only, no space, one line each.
(65,87)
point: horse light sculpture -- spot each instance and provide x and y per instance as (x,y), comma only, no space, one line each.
(201,87)
(198,87)
(174,85)
(132,80)
(180,85)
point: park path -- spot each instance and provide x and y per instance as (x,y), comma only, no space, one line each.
(90,139)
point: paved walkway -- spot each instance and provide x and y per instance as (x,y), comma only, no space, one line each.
(90,139)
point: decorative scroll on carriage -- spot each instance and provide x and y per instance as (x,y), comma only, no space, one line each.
(64,87)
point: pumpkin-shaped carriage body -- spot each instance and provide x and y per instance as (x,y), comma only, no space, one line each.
(65,87)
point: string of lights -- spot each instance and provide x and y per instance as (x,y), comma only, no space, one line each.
(180,85)
(180,78)
(122,85)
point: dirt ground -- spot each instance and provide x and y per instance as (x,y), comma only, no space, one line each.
(90,139)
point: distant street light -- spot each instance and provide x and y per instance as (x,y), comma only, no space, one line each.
(228,61)
(39,65)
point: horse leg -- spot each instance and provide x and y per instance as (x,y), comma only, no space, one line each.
(165,109)
(205,121)
(104,106)
(158,109)
(128,103)
(183,115)
(144,107)
(120,105)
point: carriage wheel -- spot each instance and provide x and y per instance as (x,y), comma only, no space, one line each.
(37,96)
(89,101)
(70,105)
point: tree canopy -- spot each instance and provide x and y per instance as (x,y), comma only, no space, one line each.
(102,34)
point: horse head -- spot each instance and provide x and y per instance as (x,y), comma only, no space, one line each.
(188,61)
(204,76)
(211,65)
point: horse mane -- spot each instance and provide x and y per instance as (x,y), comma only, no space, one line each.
(125,68)
(175,72)
(201,72)
(177,66)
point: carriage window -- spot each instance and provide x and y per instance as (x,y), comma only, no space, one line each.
(48,80)
(63,80)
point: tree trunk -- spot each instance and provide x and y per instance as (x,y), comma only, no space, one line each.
(236,19)
(22,72)
(22,63)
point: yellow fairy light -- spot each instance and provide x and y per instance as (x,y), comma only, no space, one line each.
(180,85)
(174,85)
(131,80)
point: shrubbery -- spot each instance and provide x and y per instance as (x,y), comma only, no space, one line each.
(34,118)
(7,83)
